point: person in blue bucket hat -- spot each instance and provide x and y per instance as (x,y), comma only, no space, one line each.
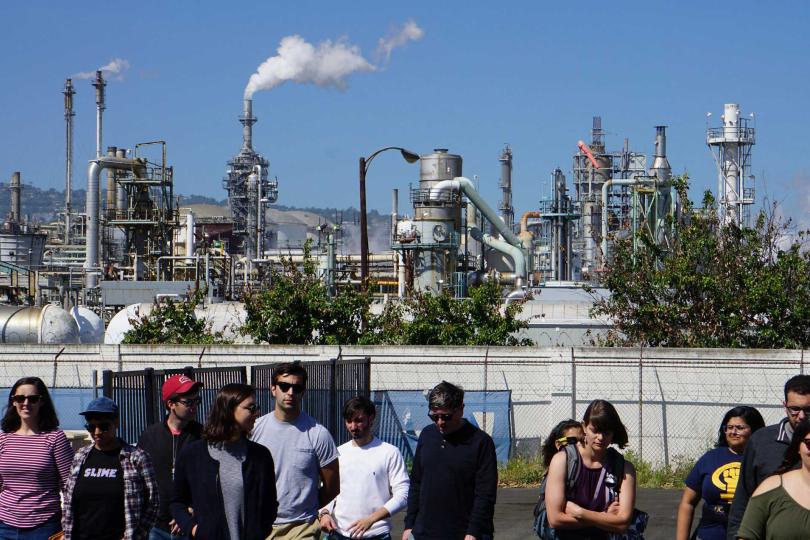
(111,492)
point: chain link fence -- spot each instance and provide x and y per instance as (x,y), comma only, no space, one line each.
(671,400)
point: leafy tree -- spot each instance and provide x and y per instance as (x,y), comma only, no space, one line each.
(717,286)
(173,321)
(440,319)
(296,308)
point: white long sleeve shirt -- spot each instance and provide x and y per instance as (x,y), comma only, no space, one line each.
(371,476)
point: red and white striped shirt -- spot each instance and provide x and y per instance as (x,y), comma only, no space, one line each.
(33,469)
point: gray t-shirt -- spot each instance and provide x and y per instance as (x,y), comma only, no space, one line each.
(230,457)
(300,450)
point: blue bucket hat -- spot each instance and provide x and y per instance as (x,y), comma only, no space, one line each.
(102,405)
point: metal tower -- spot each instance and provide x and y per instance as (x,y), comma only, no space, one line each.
(731,145)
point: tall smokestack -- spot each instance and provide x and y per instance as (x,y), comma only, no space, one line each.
(15,197)
(247,120)
(99,85)
(661,167)
(69,92)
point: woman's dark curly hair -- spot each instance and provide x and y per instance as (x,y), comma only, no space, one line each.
(46,419)
(751,417)
(221,425)
(792,456)
(549,448)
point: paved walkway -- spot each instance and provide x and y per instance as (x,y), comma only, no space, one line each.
(513,513)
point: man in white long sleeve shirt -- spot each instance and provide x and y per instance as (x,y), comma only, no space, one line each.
(373,480)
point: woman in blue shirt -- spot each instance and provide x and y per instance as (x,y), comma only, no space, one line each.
(714,477)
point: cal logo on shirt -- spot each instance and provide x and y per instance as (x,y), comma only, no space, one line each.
(725,478)
(99,472)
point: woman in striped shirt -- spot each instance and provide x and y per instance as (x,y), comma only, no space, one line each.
(35,461)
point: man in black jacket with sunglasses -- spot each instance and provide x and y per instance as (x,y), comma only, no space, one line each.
(164,440)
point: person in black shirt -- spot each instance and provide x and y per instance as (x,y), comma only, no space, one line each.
(111,493)
(164,440)
(454,477)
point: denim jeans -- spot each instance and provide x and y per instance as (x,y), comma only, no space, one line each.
(40,532)
(159,534)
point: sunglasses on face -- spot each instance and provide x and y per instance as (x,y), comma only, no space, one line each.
(285,387)
(435,417)
(193,402)
(32,399)
(101,426)
(794,411)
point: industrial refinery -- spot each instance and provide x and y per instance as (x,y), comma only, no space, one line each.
(81,275)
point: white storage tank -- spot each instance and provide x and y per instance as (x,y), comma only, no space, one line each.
(45,325)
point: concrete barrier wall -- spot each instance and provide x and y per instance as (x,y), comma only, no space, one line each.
(671,400)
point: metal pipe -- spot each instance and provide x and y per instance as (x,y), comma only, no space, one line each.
(394,212)
(259,212)
(587,151)
(69,92)
(605,188)
(524,220)
(189,235)
(16,188)
(516,253)
(466,186)
(138,166)
(109,205)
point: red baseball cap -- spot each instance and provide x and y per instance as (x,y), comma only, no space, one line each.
(178,384)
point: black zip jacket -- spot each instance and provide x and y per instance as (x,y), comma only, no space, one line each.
(196,485)
(163,448)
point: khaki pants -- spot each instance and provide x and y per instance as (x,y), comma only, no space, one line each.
(308,530)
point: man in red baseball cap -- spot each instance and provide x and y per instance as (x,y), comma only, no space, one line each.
(164,440)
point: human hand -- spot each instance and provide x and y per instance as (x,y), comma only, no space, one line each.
(469,537)
(327,523)
(174,528)
(360,526)
(613,507)
(573,509)
(406,534)
(194,531)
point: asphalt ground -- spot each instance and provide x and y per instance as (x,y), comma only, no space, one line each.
(513,513)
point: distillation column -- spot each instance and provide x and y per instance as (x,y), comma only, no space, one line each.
(15,187)
(506,209)
(69,92)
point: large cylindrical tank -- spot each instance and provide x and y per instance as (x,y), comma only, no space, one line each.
(91,327)
(225,317)
(438,166)
(45,325)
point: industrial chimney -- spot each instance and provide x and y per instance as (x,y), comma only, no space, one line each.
(247,120)
(15,198)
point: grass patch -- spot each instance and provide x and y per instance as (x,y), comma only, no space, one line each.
(528,472)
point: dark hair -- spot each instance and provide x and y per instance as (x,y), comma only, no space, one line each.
(289,368)
(445,396)
(358,404)
(221,425)
(749,414)
(798,384)
(47,419)
(792,455)
(549,448)
(602,415)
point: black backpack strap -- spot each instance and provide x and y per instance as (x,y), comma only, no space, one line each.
(573,466)
(616,461)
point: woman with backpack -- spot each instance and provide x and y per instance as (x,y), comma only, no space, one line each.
(594,499)
(714,477)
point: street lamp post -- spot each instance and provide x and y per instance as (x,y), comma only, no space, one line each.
(408,156)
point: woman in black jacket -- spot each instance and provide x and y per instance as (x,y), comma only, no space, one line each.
(226,480)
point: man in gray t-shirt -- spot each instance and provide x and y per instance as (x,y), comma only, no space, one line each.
(304,454)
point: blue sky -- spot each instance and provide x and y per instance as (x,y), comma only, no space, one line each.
(531,74)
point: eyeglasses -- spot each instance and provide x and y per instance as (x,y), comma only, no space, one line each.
(33,399)
(101,426)
(253,408)
(285,387)
(794,411)
(436,416)
(735,429)
(192,402)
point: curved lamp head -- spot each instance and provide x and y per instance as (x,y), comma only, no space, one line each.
(409,156)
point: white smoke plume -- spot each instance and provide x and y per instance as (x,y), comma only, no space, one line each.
(410,31)
(328,64)
(298,61)
(114,69)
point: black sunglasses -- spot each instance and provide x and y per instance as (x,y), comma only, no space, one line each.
(436,417)
(103,426)
(32,399)
(794,411)
(296,388)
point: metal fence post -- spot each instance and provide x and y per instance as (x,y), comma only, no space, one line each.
(149,395)
(573,385)
(95,383)
(106,383)
(640,402)
(333,398)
